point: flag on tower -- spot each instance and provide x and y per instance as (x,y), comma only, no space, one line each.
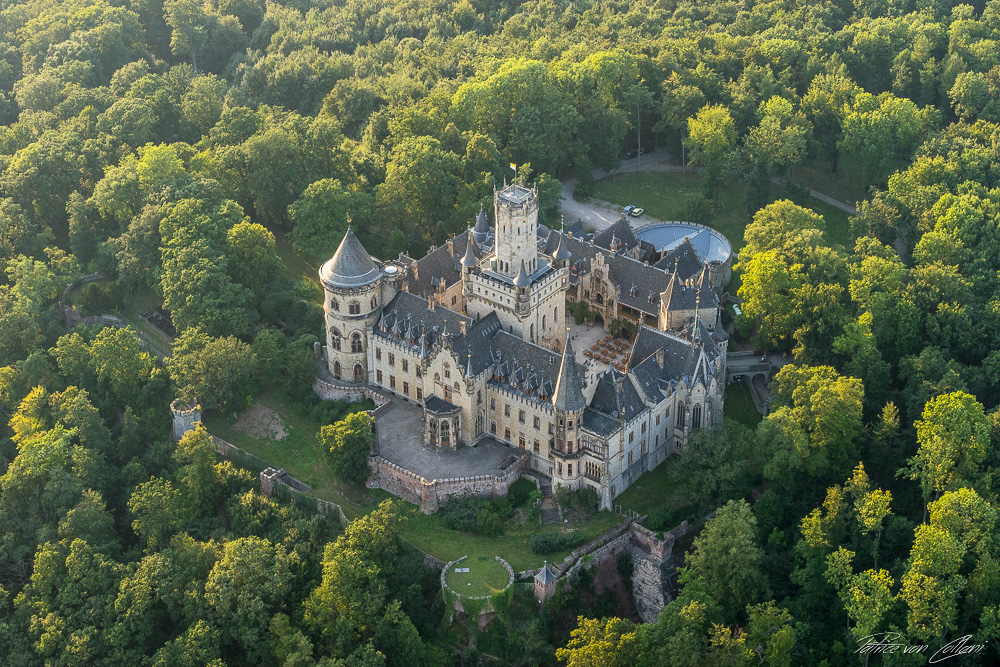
(513,166)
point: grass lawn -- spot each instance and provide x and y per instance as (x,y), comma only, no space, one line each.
(297,266)
(428,533)
(142,301)
(740,406)
(300,453)
(485,577)
(665,195)
(664,485)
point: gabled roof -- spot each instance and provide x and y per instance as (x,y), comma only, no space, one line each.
(609,401)
(622,231)
(439,265)
(682,359)
(351,265)
(638,282)
(408,318)
(683,257)
(477,343)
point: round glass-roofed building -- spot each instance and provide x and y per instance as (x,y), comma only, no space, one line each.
(674,241)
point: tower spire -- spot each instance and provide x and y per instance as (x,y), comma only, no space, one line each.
(568,395)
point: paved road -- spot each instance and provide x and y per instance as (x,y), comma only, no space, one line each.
(601,214)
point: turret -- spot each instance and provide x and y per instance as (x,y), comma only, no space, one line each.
(568,401)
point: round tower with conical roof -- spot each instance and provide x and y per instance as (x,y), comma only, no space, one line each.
(356,286)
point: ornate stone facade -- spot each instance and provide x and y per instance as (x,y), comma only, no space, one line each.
(484,372)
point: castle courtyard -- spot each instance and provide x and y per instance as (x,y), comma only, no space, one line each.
(400,441)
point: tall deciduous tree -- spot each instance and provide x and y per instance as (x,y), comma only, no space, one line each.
(712,138)
(349,442)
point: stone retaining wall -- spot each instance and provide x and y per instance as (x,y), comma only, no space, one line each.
(428,494)
(332,392)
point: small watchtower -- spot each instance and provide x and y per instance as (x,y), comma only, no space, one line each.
(186,416)
(545,583)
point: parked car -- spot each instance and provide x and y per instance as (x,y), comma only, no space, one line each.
(646,149)
(629,155)
(636,212)
(628,210)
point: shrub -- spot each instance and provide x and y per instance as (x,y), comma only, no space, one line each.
(479,516)
(546,543)
(520,491)
(585,498)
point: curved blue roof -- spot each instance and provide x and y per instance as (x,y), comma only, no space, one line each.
(710,244)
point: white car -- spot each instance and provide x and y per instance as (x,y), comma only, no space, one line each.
(636,212)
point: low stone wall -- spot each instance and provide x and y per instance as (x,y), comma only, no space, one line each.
(445,587)
(428,494)
(332,392)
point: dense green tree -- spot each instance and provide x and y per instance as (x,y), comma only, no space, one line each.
(712,139)
(727,559)
(212,371)
(350,443)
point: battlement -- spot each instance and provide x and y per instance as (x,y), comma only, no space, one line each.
(186,416)
(517,196)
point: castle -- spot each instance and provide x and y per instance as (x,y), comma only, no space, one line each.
(475,334)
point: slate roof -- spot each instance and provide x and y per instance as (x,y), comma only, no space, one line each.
(440,406)
(684,257)
(576,229)
(532,368)
(681,359)
(638,282)
(612,403)
(620,230)
(351,265)
(598,423)
(568,395)
(408,319)
(439,265)
(477,343)
(545,576)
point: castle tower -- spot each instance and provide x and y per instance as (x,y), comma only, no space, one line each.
(186,416)
(525,289)
(356,287)
(516,228)
(569,402)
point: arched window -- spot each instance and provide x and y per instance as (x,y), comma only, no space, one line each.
(335,304)
(598,298)
(680,416)
(335,339)
(374,302)
(696,417)
(355,342)
(336,369)
(359,373)
(354,308)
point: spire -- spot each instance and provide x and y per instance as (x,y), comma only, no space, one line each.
(469,259)
(562,252)
(522,279)
(568,395)
(468,363)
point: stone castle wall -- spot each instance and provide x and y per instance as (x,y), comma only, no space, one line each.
(428,494)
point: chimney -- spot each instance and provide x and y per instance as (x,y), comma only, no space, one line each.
(659,357)
(413,268)
(451,250)
(463,327)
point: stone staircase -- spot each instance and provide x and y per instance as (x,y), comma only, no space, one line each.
(550,509)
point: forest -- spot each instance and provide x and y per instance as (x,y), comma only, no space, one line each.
(185,153)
